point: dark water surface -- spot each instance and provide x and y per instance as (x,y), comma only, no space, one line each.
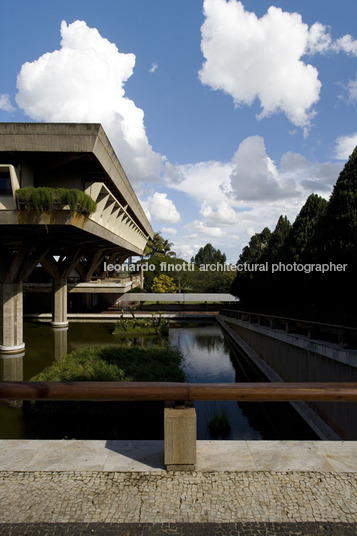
(208,358)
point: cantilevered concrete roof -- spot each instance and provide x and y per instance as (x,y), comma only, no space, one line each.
(82,146)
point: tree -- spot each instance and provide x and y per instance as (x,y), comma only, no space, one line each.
(253,253)
(167,249)
(335,241)
(297,246)
(335,238)
(154,246)
(209,255)
(157,246)
(278,238)
(163,284)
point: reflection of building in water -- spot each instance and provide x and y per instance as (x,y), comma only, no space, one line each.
(12,370)
(60,342)
(11,367)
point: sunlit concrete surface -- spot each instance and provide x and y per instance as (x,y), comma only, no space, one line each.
(96,455)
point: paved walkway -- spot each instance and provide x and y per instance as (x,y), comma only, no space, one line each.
(118,487)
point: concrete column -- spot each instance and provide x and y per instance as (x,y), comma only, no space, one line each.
(59,307)
(11,332)
(180,438)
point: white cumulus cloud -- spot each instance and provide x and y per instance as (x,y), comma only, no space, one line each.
(352,91)
(84,81)
(255,176)
(345,145)
(346,44)
(250,57)
(160,208)
(311,176)
(204,230)
(263,58)
(222,213)
(5,103)
(240,197)
(169,231)
(204,181)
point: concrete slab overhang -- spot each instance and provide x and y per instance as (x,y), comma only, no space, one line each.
(70,147)
(61,230)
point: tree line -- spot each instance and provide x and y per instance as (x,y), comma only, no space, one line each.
(323,232)
(182,279)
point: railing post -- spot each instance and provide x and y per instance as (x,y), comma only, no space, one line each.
(180,437)
(341,339)
(272,323)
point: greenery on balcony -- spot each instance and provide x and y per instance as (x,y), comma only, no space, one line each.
(44,199)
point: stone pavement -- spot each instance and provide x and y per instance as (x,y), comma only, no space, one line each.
(119,488)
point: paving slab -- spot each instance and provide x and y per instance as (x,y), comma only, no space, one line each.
(177,497)
(101,455)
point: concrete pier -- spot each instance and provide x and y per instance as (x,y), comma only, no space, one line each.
(59,301)
(180,438)
(11,332)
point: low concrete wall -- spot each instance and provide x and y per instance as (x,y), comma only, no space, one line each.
(298,359)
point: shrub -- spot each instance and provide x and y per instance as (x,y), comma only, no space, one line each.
(163,284)
(44,199)
(156,363)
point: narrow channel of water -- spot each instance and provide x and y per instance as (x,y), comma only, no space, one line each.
(208,357)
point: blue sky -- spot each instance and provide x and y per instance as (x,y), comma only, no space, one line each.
(224,114)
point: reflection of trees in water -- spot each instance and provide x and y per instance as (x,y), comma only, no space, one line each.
(226,346)
(209,342)
(276,420)
(145,341)
(273,420)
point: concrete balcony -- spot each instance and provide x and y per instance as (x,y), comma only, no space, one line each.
(111,215)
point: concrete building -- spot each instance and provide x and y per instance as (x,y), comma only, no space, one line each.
(67,156)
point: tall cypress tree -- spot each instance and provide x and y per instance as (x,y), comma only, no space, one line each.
(297,244)
(277,239)
(336,237)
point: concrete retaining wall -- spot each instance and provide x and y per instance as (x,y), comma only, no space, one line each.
(299,359)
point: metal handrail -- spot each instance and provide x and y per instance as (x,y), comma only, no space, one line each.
(343,333)
(288,319)
(180,392)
